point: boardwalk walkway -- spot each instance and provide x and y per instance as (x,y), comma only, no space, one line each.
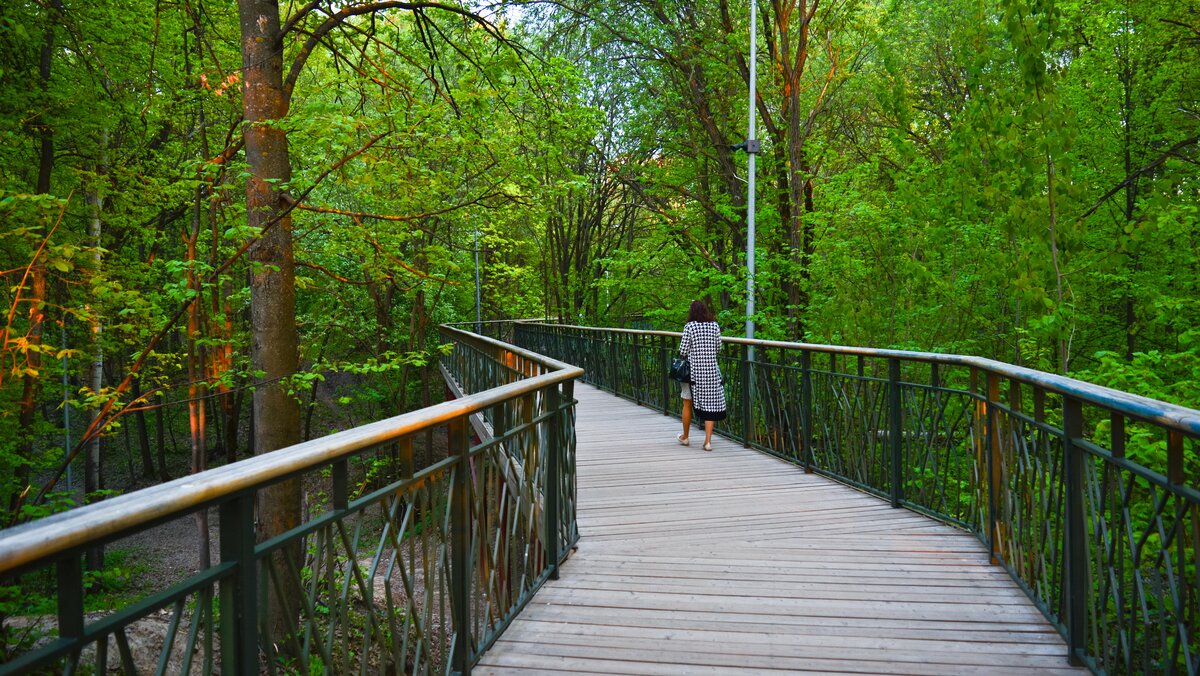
(733,562)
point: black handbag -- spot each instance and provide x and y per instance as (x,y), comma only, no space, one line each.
(681,370)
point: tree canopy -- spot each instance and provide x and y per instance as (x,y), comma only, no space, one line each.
(207,204)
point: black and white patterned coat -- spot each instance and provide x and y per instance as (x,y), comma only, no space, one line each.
(701,343)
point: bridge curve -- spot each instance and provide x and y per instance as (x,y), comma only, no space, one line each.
(738,562)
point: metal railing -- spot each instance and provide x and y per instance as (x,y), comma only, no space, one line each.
(392,570)
(1086,495)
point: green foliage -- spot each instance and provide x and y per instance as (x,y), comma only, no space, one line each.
(1007,178)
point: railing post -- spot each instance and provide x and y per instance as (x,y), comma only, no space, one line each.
(551,514)
(405,458)
(637,368)
(70,599)
(239,592)
(1075,590)
(747,394)
(1175,472)
(995,467)
(896,431)
(806,408)
(567,473)
(460,548)
(664,364)
(612,359)
(341,482)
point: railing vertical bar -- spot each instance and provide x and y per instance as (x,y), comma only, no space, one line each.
(637,368)
(663,362)
(806,412)
(1117,432)
(101,661)
(747,394)
(340,485)
(994,465)
(69,571)
(239,592)
(567,473)
(405,458)
(1075,593)
(460,548)
(1175,457)
(553,481)
(896,429)
(615,371)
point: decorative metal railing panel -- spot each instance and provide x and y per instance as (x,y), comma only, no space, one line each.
(392,570)
(1087,496)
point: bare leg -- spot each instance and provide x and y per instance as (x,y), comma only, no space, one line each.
(708,428)
(687,417)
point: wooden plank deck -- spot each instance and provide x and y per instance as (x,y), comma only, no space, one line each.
(733,562)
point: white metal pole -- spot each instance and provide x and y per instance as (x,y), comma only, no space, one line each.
(752,150)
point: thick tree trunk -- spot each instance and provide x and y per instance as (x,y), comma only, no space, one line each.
(272,281)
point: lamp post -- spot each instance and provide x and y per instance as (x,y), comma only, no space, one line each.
(752,148)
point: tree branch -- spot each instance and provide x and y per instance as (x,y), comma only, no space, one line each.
(349,11)
(1170,152)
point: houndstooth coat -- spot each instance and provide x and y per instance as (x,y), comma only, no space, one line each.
(701,343)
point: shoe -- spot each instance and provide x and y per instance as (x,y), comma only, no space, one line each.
(708,447)
(683,441)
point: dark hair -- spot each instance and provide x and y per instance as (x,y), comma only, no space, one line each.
(699,312)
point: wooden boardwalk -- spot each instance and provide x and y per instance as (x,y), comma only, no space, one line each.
(733,562)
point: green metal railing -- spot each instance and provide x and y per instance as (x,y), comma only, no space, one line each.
(1087,496)
(392,570)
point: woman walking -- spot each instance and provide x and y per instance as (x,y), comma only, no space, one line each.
(706,393)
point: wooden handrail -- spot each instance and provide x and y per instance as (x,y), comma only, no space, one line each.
(38,540)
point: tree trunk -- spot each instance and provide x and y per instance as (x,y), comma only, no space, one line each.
(1064,357)
(160,429)
(272,278)
(798,181)
(30,383)
(143,431)
(93,468)
(1130,202)
(197,422)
